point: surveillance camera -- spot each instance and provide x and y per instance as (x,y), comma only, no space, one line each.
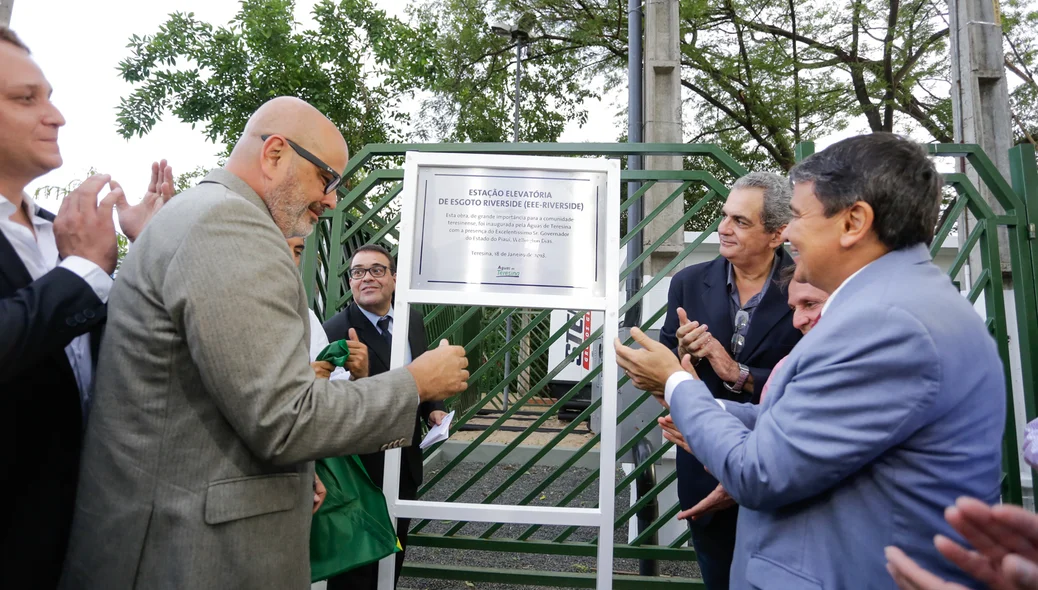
(501,29)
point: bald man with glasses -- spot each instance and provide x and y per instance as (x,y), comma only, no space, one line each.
(197,467)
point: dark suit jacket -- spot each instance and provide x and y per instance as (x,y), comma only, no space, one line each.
(338,328)
(702,290)
(41,428)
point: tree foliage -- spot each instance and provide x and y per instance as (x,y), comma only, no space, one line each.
(759,75)
(468,73)
(218,76)
(1020,32)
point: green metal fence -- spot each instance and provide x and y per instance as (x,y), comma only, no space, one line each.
(368,212)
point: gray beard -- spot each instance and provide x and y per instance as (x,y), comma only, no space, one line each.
(291,218)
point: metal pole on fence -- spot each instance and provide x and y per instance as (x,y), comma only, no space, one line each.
(647,515)
(519,34)
(634,135)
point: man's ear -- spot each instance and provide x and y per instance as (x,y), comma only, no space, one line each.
(856,223)
(272,156)
(777,237)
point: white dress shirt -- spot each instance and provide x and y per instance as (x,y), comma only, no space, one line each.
(681,376)
(318,342)
(374,318)
(39,254)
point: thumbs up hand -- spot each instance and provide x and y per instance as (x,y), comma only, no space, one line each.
(357,364)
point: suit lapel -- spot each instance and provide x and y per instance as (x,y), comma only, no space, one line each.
(11,265)
(416,335)
(774,306)
(715,302)
(369,335)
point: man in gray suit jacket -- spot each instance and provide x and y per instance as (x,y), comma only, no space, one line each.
(885,413)
(197,465)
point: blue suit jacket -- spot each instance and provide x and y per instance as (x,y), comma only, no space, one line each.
(702,290)
(887,411)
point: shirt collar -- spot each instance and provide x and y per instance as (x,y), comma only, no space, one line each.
(7,209)
(771,274)
(832,295)
(374,317)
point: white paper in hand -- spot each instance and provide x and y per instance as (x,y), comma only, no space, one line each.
(438,432)
(339,374)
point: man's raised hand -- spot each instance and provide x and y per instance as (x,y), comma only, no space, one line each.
(648,367)
(440,373)
(134,218)
(357,364)
(84,228)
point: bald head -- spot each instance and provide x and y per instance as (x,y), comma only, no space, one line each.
(286,177)
(297,120)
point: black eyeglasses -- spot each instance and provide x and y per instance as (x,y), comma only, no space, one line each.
(377,271)
(742,319)
(336,179)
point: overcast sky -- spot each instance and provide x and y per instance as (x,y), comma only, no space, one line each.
(79,44)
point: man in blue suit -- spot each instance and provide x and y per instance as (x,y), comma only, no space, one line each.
(732,316)
(885,413)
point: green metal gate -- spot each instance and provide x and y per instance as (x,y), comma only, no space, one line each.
(368,212)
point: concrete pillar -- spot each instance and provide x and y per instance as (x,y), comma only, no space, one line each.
(980,96)
(981,114)
(662,122)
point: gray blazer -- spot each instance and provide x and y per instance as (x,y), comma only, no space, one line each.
(197,465)
(887,411)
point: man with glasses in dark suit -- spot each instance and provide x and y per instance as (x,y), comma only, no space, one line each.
(732,317)
(372,275)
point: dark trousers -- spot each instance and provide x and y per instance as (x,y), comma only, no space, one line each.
(714,543)
(365,577)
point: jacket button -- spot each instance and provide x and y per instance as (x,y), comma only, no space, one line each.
(89,314)
(80,319)
(70,321)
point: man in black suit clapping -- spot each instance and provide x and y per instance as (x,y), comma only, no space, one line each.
(55,275)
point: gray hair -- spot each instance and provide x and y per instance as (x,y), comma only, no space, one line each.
(778,191)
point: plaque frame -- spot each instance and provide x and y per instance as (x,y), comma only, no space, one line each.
(602,517)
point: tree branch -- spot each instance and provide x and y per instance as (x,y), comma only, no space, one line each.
(914,58)
(888,67)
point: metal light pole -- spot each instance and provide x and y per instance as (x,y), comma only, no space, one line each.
(519,34)
(518,80)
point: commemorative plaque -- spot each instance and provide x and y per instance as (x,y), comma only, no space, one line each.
(535,232)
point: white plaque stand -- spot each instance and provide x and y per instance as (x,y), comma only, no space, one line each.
(567,203)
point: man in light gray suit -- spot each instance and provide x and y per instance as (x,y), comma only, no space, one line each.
(197,465)
(886,412)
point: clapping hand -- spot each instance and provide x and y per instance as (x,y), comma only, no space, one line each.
(134,218)
(672,434)
(695,339)
(84,228)
(718,499)
(650,366)
(1006,554)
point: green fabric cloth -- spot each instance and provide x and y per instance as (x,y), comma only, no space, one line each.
(352,528)
(336,353)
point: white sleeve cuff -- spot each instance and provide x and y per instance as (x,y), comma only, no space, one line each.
(93,274)
(678,378)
